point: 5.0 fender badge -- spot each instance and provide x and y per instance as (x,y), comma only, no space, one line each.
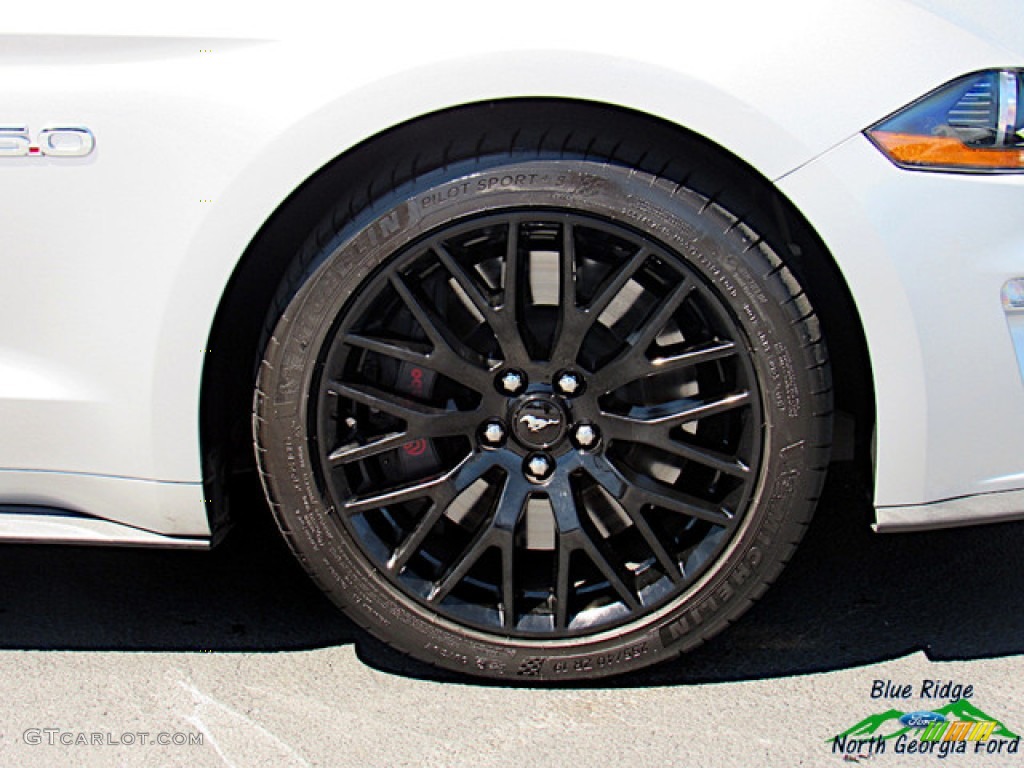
(52,141)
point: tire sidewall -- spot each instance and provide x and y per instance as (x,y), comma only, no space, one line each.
(743,272)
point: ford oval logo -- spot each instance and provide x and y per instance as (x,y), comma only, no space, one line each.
(921,719)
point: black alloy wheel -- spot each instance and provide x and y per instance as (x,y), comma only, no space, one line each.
(548,419)
(538,423)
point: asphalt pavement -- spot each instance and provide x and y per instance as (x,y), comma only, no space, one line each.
(232,658)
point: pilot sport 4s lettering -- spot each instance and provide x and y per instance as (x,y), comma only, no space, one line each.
(539,327)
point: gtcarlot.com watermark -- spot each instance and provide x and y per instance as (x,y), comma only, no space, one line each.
(68,738)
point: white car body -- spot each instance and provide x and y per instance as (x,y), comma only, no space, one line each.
(115,264)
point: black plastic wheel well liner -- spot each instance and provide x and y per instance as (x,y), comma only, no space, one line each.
(529,127)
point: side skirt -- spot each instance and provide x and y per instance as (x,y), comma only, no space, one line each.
(45,525)
(1001,507)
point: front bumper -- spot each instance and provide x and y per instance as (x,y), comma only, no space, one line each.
(926,256)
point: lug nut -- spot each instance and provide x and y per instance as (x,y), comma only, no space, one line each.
(512,382)
(493,433)
(569,384)
(539,467)
(585,436)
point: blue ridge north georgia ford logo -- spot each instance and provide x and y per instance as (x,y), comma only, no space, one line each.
(957,727)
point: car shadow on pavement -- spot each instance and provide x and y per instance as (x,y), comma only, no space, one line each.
(848,598)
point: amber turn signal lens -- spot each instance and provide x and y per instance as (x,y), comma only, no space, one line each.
(943,152)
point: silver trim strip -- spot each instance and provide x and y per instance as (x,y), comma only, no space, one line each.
(1015,321)
(175,509)
(1007,121)
(40,525)
(998,507)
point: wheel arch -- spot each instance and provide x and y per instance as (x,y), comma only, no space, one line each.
(344,186)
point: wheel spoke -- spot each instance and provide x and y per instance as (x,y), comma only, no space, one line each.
(611,572)
(572,537)
(483,541)
(713,459)
(613,286)
(466,283)
(421,421)
(658,319)
(669,564)
(389,349)
(708,353)
(612,377)
(644,490)
(429,322)
(388,402)
(446,494)
(508,582)
(575,322)
(563,504)
(567,270)
(445,486)
(567,526)
(416,537)
(445,424)
(579,541)
(635,351)
(563,560)
(346,454)
(656,431)
(449,352)
(602,472)
(496,532)
(510,284)
(500,319)
(404,493)
(570,320)
(672,414)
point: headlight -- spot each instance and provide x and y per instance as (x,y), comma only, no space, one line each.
(972,124)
